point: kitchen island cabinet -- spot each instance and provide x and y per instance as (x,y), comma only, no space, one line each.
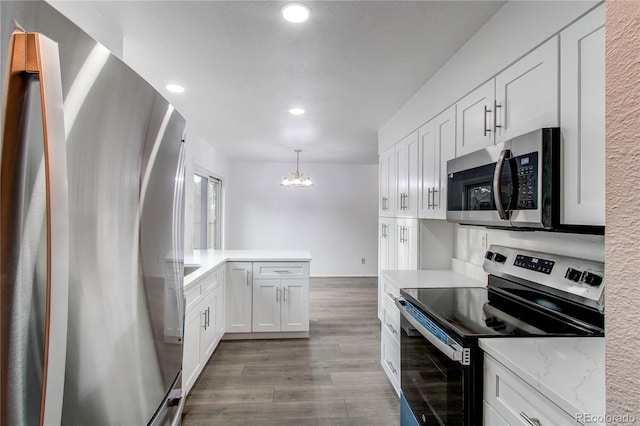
(204,324)
(218,300)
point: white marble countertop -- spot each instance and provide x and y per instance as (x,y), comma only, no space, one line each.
(570,371)
(207,260)
(431,278)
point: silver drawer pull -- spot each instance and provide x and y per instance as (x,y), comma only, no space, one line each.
(393,330)
(282,271)
(530,420)
(392,368)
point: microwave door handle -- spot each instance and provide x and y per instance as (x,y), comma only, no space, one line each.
(497,184)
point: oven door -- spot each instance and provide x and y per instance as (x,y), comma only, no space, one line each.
(432,373)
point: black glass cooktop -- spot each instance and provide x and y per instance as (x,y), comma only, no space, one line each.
(473,312)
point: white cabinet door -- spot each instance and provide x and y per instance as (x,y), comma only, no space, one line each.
(582,85)
(266,305)
(527,93)
(474,119)
(208,331)
(491,417)
(515,400)
(191,359)
(387,252)
(387,185)
(407,243)
(426,169)
(407,160)
(294,305)
(445,126)
(218,305)
(238,297)
(437,146)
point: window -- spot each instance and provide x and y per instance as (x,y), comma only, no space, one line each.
(206,212)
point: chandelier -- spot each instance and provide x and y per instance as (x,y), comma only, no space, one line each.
(297,178)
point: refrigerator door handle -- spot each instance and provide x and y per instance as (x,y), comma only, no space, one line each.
(34,54)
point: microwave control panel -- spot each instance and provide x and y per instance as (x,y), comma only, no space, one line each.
(527,175)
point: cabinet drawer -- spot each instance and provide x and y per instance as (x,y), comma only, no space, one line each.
(192,296)
(390,358)
(280,270)
(210,281)
(390,289)
(391,318)
(513,399)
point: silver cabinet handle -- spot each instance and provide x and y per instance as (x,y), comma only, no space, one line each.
(34,54)
(434,192)
(393,330)
(282,271)
(204,320)
(248,278)
(392,367)
(496,126)
(485,130)
(384,203)
(277,294)
(284,294)
(530,420)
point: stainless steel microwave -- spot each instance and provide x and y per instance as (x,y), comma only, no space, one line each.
(515,184)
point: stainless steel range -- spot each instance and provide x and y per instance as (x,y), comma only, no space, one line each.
(528,294)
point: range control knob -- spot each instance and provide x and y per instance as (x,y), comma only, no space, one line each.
(500,258)
(489,255)
(573,274)
(591,278)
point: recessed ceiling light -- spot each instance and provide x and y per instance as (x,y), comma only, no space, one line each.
(295,12)
(174,88)
(296,111)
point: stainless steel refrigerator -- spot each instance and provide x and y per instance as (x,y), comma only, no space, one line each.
(91,232)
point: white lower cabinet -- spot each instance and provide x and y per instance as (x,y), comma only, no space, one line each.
(390,335)
(515,402)
(280,305)
(204,324)
(238,297)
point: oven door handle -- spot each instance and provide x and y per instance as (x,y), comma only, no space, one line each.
(454,352)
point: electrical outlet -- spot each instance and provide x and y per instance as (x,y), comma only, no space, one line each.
(363,261)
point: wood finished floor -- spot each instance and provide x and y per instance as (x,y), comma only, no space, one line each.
(333,378)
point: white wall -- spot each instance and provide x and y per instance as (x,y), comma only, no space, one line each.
(470,244)
(515,30)
(336,219)
(203,156)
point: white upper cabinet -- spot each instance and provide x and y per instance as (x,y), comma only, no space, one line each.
(387,186)
(437,141)
(582,77)
(475,119)
(527,93)
(406,151)
(522,98)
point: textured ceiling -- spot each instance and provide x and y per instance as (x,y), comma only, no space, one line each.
(351,67)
